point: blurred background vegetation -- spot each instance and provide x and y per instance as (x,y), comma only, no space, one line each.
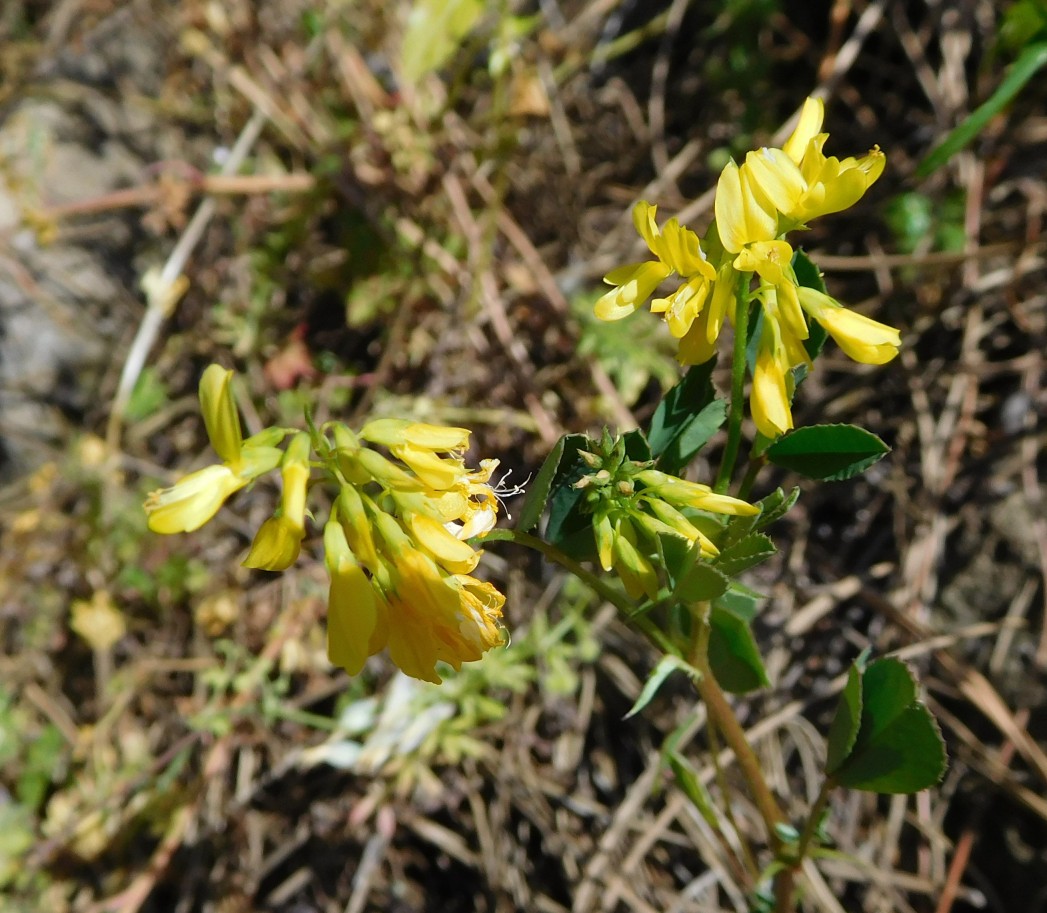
(406,208)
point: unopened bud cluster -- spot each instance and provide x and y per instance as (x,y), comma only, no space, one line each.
(633,505)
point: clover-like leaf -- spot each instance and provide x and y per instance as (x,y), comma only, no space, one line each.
(827,452)
(898,747)
(733,655)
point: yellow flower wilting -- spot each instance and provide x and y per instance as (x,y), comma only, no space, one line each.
(406,546)
(196,498)
(677,250)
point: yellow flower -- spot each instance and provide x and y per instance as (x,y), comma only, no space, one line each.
(196,498)
(863,339)
(677,250)
(279,540)
(193,499)
(418,599)
(450,552)
(419,445)
(635,570)
(681,493)
(356,616)
(436,617)
(801,181)
(779,350)
(772,384)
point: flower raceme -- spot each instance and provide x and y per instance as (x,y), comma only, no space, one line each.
(395,544)
(772,192)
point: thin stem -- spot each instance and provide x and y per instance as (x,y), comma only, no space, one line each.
(783,885)
(813,818)
(737,413)
(749,479)
(600,587)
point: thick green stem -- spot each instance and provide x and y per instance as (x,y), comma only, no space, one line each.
(722,714)
(737,412)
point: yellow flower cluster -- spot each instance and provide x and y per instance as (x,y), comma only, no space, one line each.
(396,541)
(399,563)
(774,191)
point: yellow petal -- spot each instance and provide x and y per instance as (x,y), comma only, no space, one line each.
(810,123)
(777,176)
(352,616)
(451,553)
(636,572)
(695,348)
(219,411)
(769,401)
(354,626)
(743,213)
(683,251)
(276,546)
(437,472)
(636,287)
(643,220)
(863,339)
(193,500)
(392,432)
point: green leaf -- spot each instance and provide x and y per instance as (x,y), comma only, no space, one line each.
(636,446)
(747,553)
(694,789)
(848,719)
(678,556)
(666,667)
(148,396)
(569,528)
(828,452)
(733,654)
(45,757)
(740,601)
(775,506)
(686,418)
(538,492)
(701,583)
(899,748)
(1029,62)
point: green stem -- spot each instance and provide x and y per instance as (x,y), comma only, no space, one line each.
(812,820)
(783,884)
(748,859)
(737,413)
(722,715)
(617,598)
(749,479)
(599,586)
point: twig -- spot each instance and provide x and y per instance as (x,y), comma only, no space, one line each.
(164,291)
